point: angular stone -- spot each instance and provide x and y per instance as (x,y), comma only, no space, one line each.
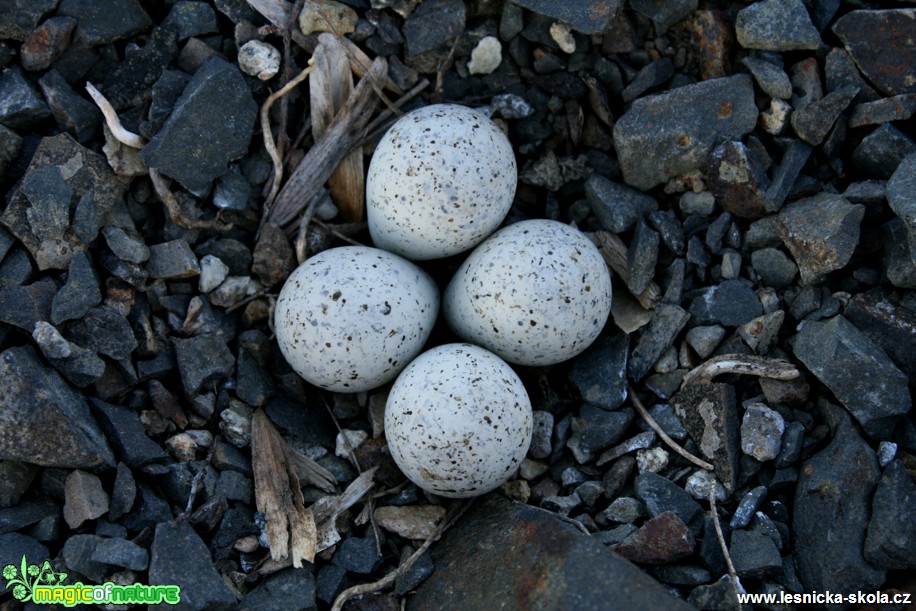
(202,359)
(218,98)
(813,122)
(411,522)
(748,505)
(589,17)
(15,478)
(121,553)
(821,232)
(596,428)
(19,17)
(771,78)
(432,25)
(10,145)
(13,546)
(663,539)
(516,550)
(84,498)
(616,207)
(126,434)
(754,554)
(191,18)
(730,303)
(901,195)
(900,259)
(273,257)
(761,432)
(27,513)
(891,539)
(831,512)
(94,188)
(664,13)
(104,21)
(172,260)
(876,395)
(24,306)
(776,25)
(774,267)
(667,321)
(130,83)
(600,373)
(714,34)
(784,176)
(882,151)
(669,134)
(104,330)
(887,323)
(35,400)
(650,76)
(358,555)
(290,588)
(737,180)
(21,106)
(709,413)
(895,108)
(868,34)
(641,258)
(179,557)
(327,16)
(77,557)
(661,495)
(73,113)
(46,43)
(123,493)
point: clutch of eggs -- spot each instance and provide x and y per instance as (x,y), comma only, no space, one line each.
(350,319)
(440,181)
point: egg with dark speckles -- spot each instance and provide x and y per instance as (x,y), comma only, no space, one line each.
(536,292)
(441,180)
(350,319)
(458,421)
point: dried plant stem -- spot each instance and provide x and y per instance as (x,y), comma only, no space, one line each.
(111,119)
(644,414)
(721,537)
(763,367)
(198,478)
(614,252)
(174,208)
(391,577)
(338,234)
(381,121)
(269,143)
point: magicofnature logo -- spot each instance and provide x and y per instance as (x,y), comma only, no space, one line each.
(44,586)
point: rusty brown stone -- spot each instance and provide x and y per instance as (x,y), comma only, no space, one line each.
(893,327)
(737,181)
(47,42)
(663,539)
(868,35)
(713,30)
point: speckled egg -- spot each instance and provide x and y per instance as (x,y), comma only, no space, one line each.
(350,319)
(536,293)
(458,421)
(440,181)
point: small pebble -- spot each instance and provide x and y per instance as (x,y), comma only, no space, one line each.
(887,450)
(562,35)
(746,508)
(651,460)
(212,273)
(486,56)
(259,59)
(53,345)
(697,485)
(348,441)
(761,432)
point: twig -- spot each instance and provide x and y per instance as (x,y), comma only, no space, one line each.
(174,209)
(301,246)
(198,478)
(382,118)
(391,577)
(337,234)
(641,410)
(268,136)
(111,118)
(763,367)
(721,538)
(282,138)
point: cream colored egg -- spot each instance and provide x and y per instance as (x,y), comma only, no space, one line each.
(441,180)
(536,292)
(458,421)
(350,319)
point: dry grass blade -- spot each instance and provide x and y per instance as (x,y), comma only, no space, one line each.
(614,252)
(291,528)
(329,88)
(345,132)
(311,472)
(759,366)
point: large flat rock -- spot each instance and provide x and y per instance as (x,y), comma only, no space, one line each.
(505,555)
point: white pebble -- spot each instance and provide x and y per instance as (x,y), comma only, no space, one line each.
(651,460)
(698,484)
(259,59)
(562,35)
(774,119)
(348,441)
(486,56)
(212,273)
